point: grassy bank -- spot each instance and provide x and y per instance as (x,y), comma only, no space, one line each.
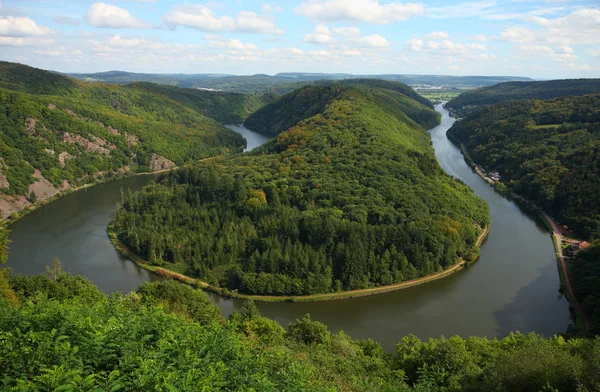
(166,273)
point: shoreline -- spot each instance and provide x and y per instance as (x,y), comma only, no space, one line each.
(554,231)
(29,209)
(168,274)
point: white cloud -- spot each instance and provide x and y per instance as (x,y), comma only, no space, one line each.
(438,35)
(358,10)
(21,27)
(581,27)
(214,41)
(563,54)
(347,31)
(518,34)
(461,10)
(415,44)
(110,16)
(320,35)
(480,38)
(373,41)
(25,41)
(269,8)
(593,52)
(202,18)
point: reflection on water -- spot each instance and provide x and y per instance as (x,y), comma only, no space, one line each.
(253,139)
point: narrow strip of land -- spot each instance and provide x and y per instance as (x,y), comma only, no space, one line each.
(285,298)
(559,255)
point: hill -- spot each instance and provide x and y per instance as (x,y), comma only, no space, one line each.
(282,83)
(310,100)
(349,195)
(547,151)
(226,108)
(489,95)
(60,332)
(57,133)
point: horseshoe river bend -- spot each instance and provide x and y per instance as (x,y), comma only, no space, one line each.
(513,287)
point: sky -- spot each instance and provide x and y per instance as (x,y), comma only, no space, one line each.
(542,39)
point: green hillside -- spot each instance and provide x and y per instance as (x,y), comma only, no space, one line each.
(522,90)
(547,151)
(59,332)
(310,100)
(350,197)
(226,108)
(59,133)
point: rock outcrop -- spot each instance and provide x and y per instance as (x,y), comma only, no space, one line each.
(30,124)
(85,143)
(158,162)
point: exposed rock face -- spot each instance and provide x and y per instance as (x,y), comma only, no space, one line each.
(51,106)
(30,125)
(113,131)
(49,151)
(42,188)
(63,157)
(158,162)
(131,139)
(85,143)
(102,142)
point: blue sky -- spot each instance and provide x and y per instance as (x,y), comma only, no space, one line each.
(535,38)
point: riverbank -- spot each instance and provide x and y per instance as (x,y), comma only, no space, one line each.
(581,318)
(15,216)
(125,251)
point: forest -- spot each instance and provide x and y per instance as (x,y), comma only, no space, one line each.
(83,132)
(547,151)
(585,274)
(349,196)
(469,101)
(59,332)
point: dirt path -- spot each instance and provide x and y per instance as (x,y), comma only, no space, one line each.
(283,298)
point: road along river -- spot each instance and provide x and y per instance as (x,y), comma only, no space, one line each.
(513,286)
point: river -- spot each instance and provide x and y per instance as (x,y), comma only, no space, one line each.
(513,286)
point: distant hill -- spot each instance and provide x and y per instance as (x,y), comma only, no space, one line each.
(57,133)
(226,108)
(523,90)
(310,100)
(282,83)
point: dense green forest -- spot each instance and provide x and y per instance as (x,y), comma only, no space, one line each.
(226,108)
(468,101)
(82,132)
(349,197)
(547,151)
(304,103)
(59,332)
(585,276)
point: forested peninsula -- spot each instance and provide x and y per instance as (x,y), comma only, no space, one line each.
(57,133)
(349,196)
